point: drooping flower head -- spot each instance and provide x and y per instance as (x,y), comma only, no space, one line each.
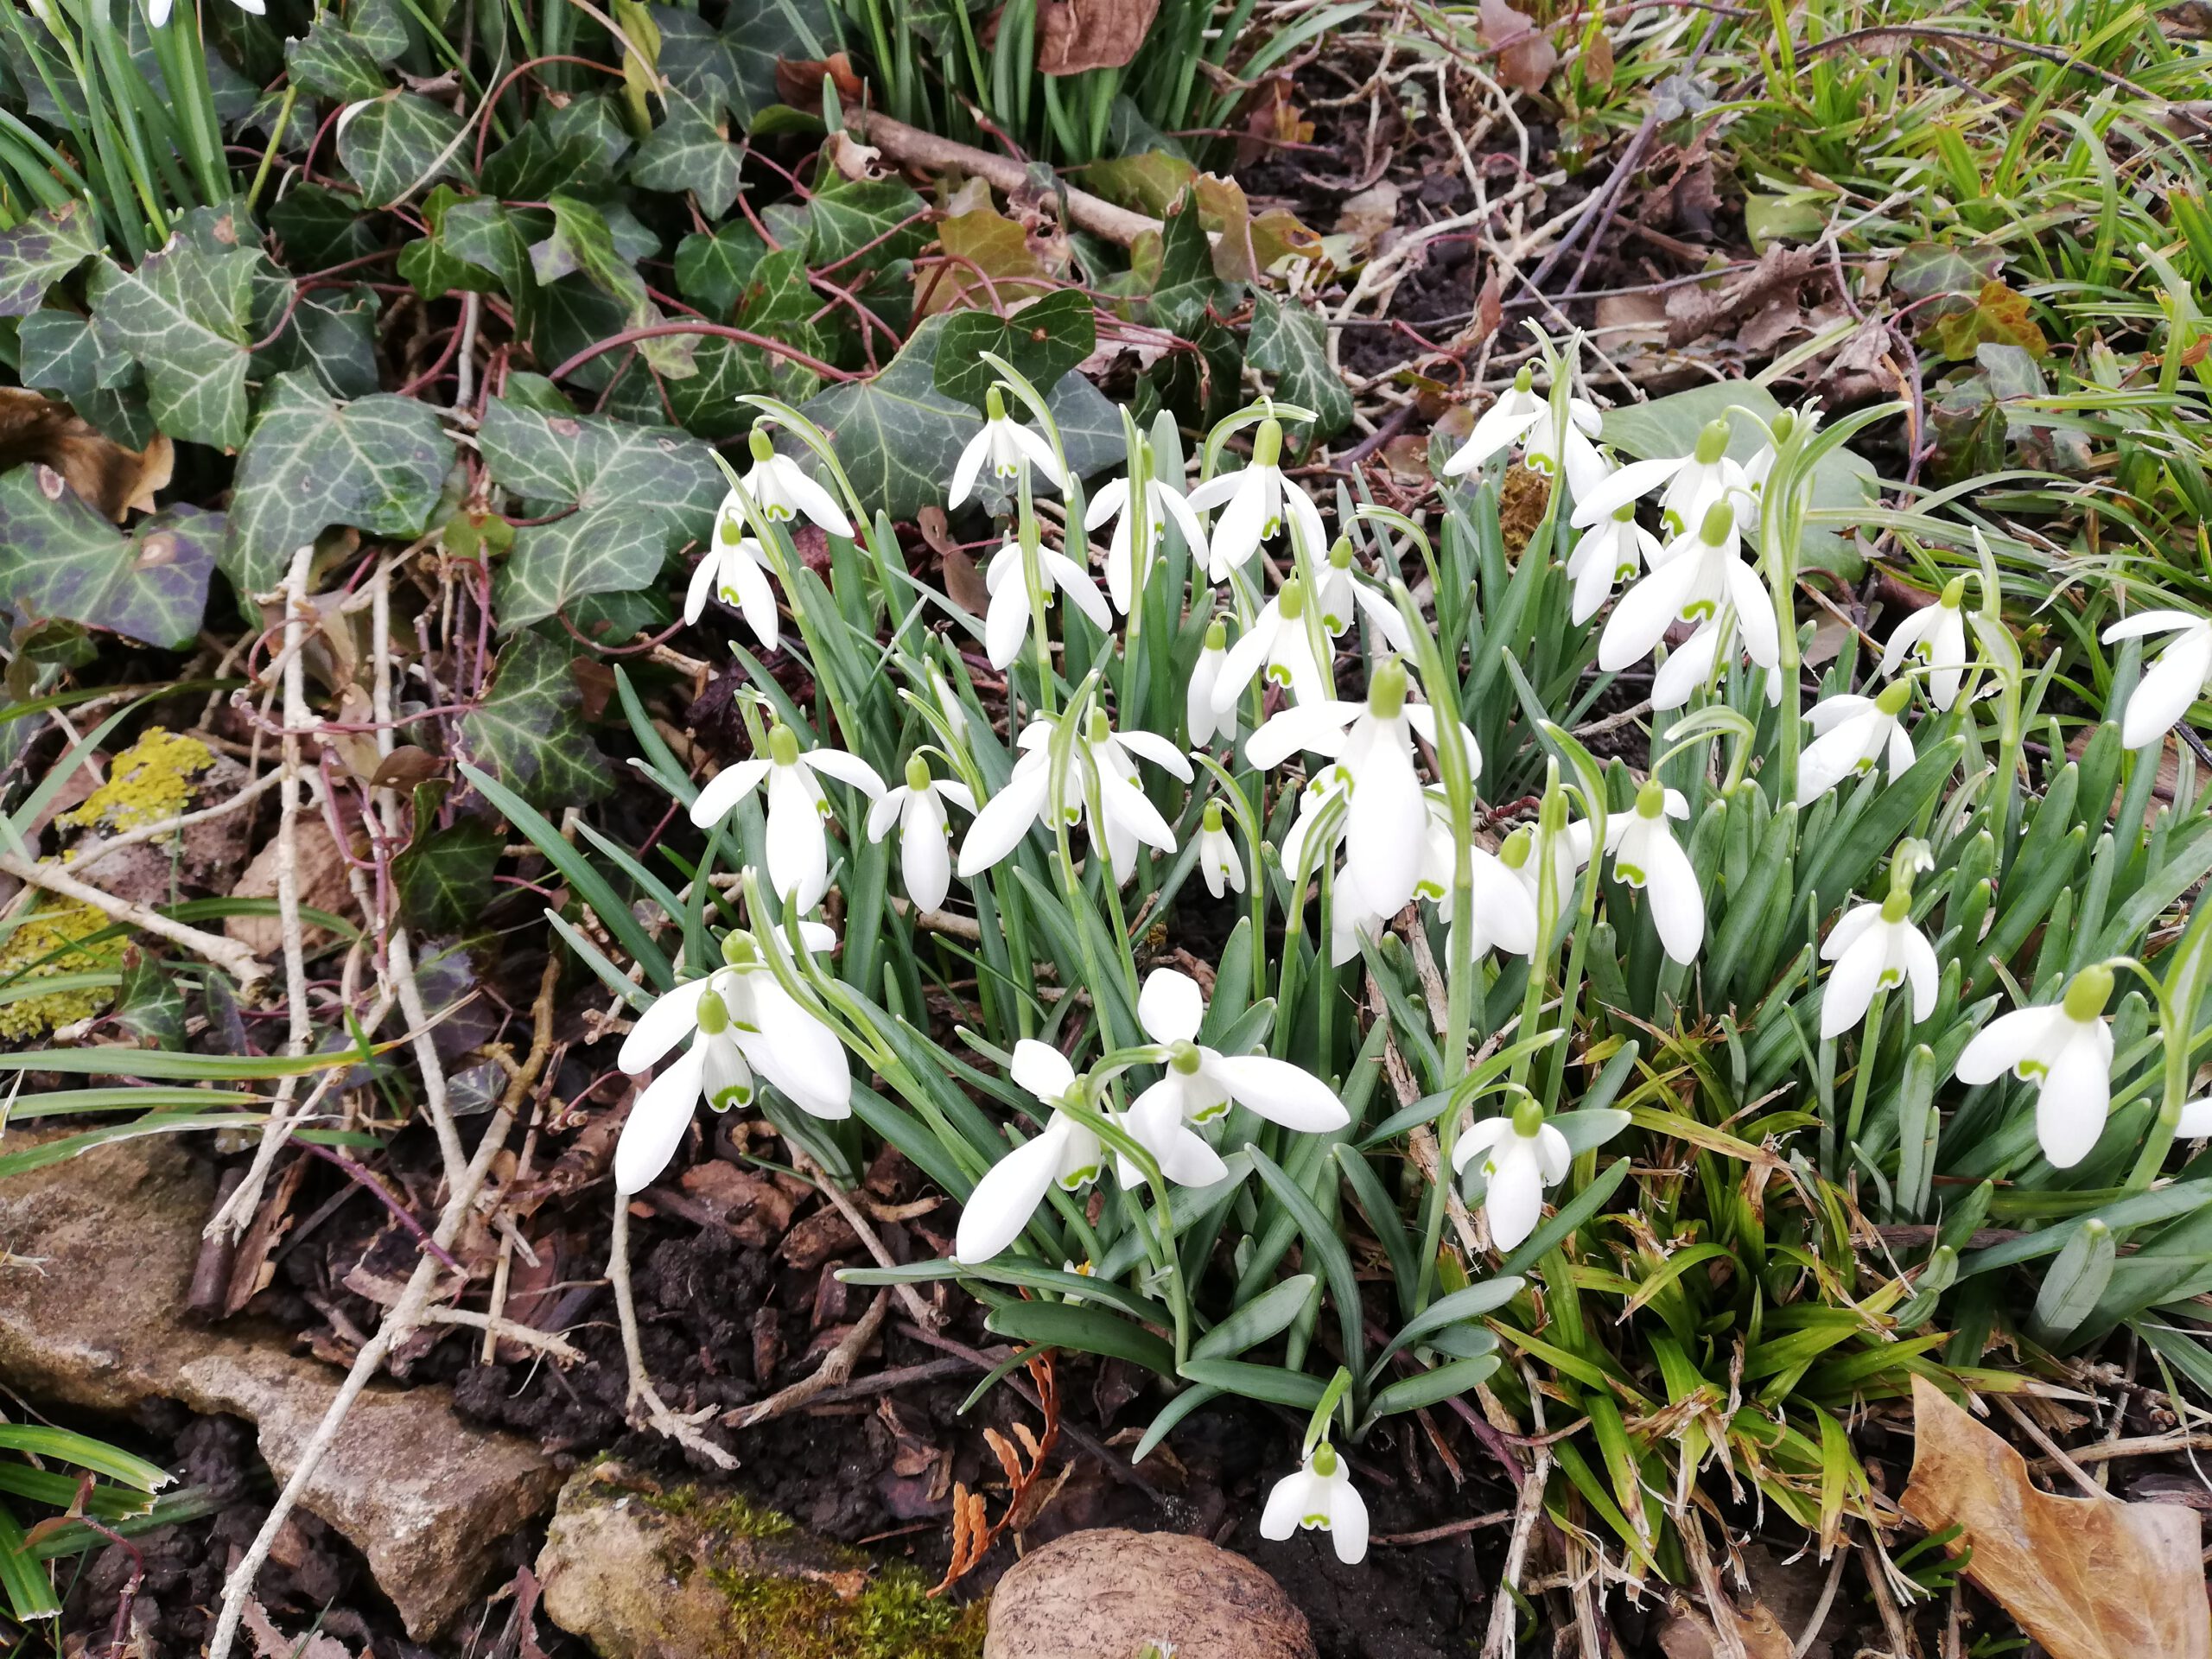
(1855,733)
(917,806)
(1693,484)
(1256,499)
(2171,685)
(1202,721)
(1878,948)
(740,1020)
(1525,414)
(2065,1049)
(1935,635)
(1518,1156)
(799,844)
(779,487)
(1278,642)
(734,570)
(1065,1153)
(1005,447)
(1319,1494)
(1135,532)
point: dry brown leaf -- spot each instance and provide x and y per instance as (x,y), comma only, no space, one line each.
(2088,1578)
(1526,56)
(1368,217)
(1073,35)
(798,80)
(110,478)
(1692,1636)
(322,885)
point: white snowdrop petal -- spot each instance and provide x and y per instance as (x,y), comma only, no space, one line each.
(1007,1196)
(658,1118)
(1171,1007)
(1278,1091)
(673,1016)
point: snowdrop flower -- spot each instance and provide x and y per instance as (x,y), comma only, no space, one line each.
(2196,1122)
(1279,641)
(1503,916)
(1008,624)
(1517,854)
(1319,1494)
(1647,856)
(785,494)
(1218,863)
(1199,1083)
(1936,635)
(1100,756)
(1166,503)
(917,806)
(1372,744)
(2171,685)
(1009,446)
(740,1020)
(1854,732)
(1203,719)
(1520,1155)
(1876,947)
(2065,1050)
(1065,1153)
(1524,414)
(1341,595)
(799,847)
(1256,500)
(734,570)
(1695,576)
(158,11)
(1694,483)
(1608,553)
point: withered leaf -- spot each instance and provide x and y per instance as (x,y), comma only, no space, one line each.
(1526,56)
(2088,1578)
(1073,35)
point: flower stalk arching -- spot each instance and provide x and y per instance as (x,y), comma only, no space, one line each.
(1234,803)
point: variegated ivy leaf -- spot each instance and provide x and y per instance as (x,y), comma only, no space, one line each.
(377,464)
(529,731)
(553,460)
(1291,342)
(61,352)
(39,253)
(712,268)
(604,550)
(60,558)
(186,315)
(330,61)
(881,215)
(398,144)
(899,436)
(1043,341)
(690,151)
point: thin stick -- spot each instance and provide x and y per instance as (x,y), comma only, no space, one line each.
(836,1369)
(232,957)
(497,1329)
(926,150)
(921,1313)
(679,1427)
(1498,1641)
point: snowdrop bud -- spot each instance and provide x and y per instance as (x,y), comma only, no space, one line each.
(1955,592)
(1651,799)
(1267,443)
(1712,444)
(740,948)
(1719,518)
(1513,852)
(2087,993)
(994,402)
(1340,554)
(1216,636)
(1526,379)
(1290,601)
(1781,426)
(712,1014)
(1386,689)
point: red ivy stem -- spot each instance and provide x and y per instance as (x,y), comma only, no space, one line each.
(721,331)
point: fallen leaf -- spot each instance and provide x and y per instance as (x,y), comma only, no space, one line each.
(798,80)
(1367,216)
(1526,56)
(1691,1636)
(322,885)
(2088,1578)
(1073,35)
(1695,312)
(111,479)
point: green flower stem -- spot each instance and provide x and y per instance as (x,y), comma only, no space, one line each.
(1870,1044)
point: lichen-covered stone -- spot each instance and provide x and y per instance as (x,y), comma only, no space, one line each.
(641,1573)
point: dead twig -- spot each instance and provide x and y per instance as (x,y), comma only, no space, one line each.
(835,1370)
(233,957)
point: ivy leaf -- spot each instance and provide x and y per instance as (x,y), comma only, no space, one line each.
(61,352)
(332,332)
(849,214)
(690,151)
(1290,342)
(319,227)
(604,551)
(897,435)
(39,253)
(1043,340)
(706,404)
(398,143)
(147,1003)
(377,464)
(185,314)
(982,244)
(60,558)
(552,461)
(441,877)
(330,61)
(759,34)
(583,243)
(713,268)
(1187,285)
(1999,315)
(529,731)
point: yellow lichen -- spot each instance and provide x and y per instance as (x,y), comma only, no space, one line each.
(149,781)
(41,948)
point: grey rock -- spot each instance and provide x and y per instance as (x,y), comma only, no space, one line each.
(99,1323)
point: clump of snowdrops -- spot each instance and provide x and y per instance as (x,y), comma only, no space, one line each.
(1682,1080)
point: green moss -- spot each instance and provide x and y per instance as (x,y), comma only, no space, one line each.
(42,947)
(149,781)
(893,1618)
(733,1515)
